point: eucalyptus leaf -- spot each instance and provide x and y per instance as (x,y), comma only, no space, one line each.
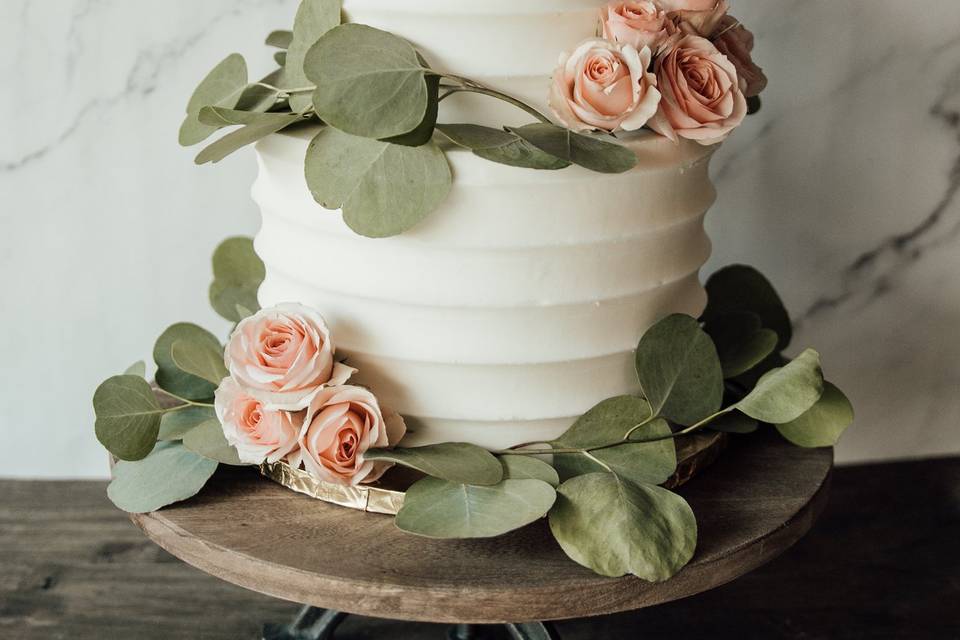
(424,131)
(457,462)
(281,39)
(741,340)
(169,376)
(616,527)
(608,421)
(734,422)
(314,18)
(590,152)
(370,83)
(740,288)
(222,117)
(138,368)
(208,440)
(679,370)
(237,274)
(260,98)
(280,57)
(128,416)
(435,508)
(177,423)
(501,146)
(199,359)
(170,473)
(784,394)
(265,125)
(519,467)
(223,87)
(822,424)
(383,189)
(641,462)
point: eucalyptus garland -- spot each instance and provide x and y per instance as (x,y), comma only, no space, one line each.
(377,160)
(598,484)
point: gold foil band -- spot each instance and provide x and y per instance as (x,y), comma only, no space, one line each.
(373,499)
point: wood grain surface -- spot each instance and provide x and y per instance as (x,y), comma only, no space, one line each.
(753,503)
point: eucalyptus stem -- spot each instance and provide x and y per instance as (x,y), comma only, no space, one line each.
(469,86)
(186,402)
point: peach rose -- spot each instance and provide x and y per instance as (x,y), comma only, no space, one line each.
(257,433)
(340,424)
(640,23)
(604,85)
(696,17)
(702,99)
(284,354)
(736,42)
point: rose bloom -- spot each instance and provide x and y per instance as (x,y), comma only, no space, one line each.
(257,433)
(702,99)
(736,42)
(640,23)
(284,354)
(604,85)
(340,424)
(696,17)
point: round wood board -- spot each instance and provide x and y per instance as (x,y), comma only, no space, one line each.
(758,499)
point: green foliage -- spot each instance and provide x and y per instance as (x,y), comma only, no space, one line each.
(590,152)
(222,87)
(734,422)
(237,274)
(174,425)
(138,368)
(424,131)
(500,146)
(314,18)
(616,527)
(170,473)
(643,462)
(679,370)
(171,377)
(128,416)
(370,83)
(822,424)
(741,340)
(208,440)
(383,189)
(609,421)
(261,127)
(199,358)
(526,468)
(281,39)
(739,288)
(436,508)
(784,394)
(457,462)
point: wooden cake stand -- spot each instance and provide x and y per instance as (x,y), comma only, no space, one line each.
(757,500)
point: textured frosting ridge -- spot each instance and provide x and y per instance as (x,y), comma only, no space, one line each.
(513,308)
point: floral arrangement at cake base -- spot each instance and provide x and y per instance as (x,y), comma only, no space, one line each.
(277,393)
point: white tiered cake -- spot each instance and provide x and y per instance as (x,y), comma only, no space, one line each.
(517,305)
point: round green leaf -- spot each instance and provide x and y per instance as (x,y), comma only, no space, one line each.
(741,340)
(314,18)
(457,462)
(170,473)
(279,38)
(498,145)
(528,468)
(175,424)
(590,152)
(734,422)
(222,87)
(199,358)
(138,368)
(435,508)
(382,188)
(369,82)
(261,126)
(169,376)
(609,421)
(679,370)
(822,424)
(128,416)
(424,131)
(237,274)
(208,440)
(784,394)
(645,463)
(616,527)
(739,288)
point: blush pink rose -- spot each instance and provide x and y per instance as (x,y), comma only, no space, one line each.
(283,355)
(340,425)
(702,99)
(736,42)
(640,23)
(696,17)
(604,85)
(257,433)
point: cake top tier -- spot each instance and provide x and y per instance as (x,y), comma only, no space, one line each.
(508,45)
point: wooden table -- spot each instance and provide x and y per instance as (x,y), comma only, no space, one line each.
(760,498)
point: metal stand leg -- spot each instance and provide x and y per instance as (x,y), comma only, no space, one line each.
(310,624)
(462,632)
(532,631)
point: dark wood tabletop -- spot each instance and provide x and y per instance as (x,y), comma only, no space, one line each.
(883,562)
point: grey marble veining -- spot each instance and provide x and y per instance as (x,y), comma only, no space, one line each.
(844,190)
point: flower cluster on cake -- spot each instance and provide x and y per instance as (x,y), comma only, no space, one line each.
(544,334)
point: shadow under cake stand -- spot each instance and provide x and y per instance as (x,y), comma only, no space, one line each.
(757,500)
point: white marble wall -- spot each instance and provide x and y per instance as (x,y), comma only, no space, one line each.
(844,190)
